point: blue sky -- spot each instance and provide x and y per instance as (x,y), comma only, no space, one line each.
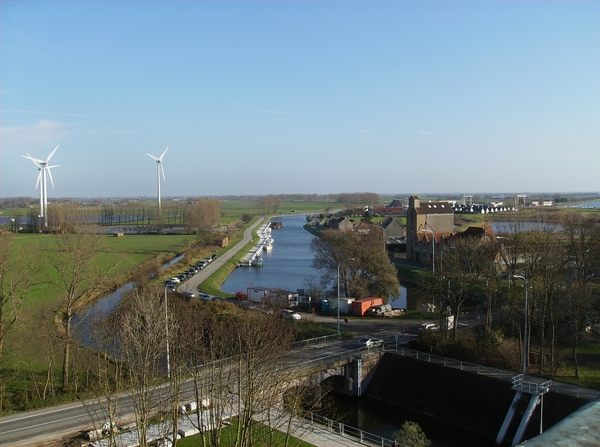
(300,97)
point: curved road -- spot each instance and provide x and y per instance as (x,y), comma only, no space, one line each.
(191,284)
(35,426)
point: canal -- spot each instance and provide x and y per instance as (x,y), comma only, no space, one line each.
(288,265)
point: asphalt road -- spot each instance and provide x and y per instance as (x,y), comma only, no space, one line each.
(43,427)
(191,284)
(32,427)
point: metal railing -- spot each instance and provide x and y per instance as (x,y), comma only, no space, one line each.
(334,358)
(341,429)
(315,341)
(561,388)
(529,387)
(556,387)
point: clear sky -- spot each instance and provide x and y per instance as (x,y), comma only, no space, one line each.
(300,96)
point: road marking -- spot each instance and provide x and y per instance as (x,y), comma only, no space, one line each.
(42,424)
(28,416)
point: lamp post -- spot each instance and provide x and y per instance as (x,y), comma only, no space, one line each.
(525,324)
(167,332)
(509,255)
(338,287)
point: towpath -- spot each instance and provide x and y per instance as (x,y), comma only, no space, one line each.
(191,285)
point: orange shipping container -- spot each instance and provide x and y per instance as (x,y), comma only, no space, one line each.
(359,307)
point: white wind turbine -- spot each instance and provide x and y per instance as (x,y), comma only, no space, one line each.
(159,169)
(43,168)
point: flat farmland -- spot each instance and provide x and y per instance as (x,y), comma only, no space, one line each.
(43,303)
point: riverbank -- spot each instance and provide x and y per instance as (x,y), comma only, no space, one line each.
(210,279)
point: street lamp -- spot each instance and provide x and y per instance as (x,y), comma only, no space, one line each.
(525,324)
(167,332)
(509,256)
(338,287)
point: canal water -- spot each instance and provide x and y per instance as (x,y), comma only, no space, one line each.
(383,419)
(288,265)
(84,321)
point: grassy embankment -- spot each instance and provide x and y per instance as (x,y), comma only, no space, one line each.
(262,436)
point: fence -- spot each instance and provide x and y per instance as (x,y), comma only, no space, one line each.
(341,429)
(315,341)
(561,388)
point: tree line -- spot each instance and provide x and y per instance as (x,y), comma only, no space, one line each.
(558,262)
(237,361)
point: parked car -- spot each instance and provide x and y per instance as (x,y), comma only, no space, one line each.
(429,327)
(214,256)
(370,342)
(289,314)
(204,296)
(175,280)
(189,294)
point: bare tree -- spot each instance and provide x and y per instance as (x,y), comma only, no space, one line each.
(261,348)
(141,340)
(583,244)
(19,273)
(203,215)
(466,262)
(82,273)
(110,374)
(370,274)
(269,203)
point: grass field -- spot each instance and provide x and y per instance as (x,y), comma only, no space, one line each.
(23,349)
(42,301)
(261,437)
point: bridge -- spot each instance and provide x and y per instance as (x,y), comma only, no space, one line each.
(348,371)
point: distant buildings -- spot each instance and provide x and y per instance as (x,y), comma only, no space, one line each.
(427,224)
(430,226)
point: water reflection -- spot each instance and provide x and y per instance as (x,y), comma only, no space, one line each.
(287,266)
(384,418)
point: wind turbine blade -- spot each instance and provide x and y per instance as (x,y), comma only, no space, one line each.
(163,171)
(152,156)
(163,154)
(39,179)
(50,156)
(51,181)
(34,160)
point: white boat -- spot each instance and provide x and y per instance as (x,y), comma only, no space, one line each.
(268,245)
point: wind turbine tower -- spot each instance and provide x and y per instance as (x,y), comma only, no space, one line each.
(159,169)
(43,168)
